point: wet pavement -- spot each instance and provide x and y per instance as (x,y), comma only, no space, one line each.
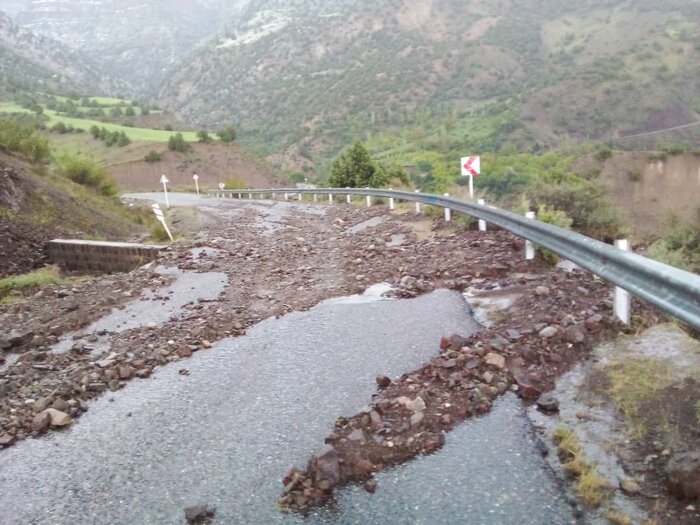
(252,407)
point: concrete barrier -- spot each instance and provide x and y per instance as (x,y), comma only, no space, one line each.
(98,256)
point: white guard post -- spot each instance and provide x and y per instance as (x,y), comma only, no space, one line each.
(529,245)
(417,204)
(330,198)
(448,212)
(369,200)
(391,201)
(621,301)
(195,177)
(164,181)
(347,197)
(161,218)
(482,223)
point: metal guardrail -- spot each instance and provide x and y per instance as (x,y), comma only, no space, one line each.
(673,290)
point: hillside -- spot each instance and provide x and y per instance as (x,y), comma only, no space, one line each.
(29,62)
(303,78)
(138,41)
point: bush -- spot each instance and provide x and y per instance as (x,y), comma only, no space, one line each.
(86,172)
(680,247)
(178,143)
(153,156)
(555,218)
(228,134)
(23,139)
(235,183)
(59,127)
(203,136)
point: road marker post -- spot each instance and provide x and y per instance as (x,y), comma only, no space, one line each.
(301,196)
(448,212)
(482,223)
(164,181)
(315,198)
(195,177)
(161,218)
(391,201)
(621,297)
(529,245)
(471,167)
(417,204)
(369,200)
(347,197)
(330,198)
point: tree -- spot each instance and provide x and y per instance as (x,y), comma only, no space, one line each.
(116,112)
(95,132)
(203,136)
(353,168)
(129,112)
(228,134)
(153,156)
(123,140)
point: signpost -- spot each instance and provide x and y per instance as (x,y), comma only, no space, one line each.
(161,219)
(196,182)
(471,166)
(164,181)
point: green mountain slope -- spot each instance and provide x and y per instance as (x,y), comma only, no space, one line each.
(303,78)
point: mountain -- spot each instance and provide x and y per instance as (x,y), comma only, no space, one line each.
(35,63)
(304,77)
(136,41)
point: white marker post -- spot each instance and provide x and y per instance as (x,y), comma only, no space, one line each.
(391,201)
(221,188)
(161,219)
(301,196)
(417,204)
(330,198)
(448,212)
(164,181)
(529,245)
(347,197)
(369,200)
(482,223)
(621,301)
(195,177)
(471,167)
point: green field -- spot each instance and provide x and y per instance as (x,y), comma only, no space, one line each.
(135,134)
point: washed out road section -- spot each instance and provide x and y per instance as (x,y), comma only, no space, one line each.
(226,433)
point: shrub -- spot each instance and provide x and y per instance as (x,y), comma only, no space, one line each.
(228,134)
(235,183)
(86,172)
(59,127)
(153,156)
(178,143)
(23,139)
(203,136)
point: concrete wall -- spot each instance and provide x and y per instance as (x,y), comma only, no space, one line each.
(97,256)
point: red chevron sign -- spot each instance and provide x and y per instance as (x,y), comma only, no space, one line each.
(471,166)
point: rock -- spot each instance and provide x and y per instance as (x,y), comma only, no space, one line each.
(58,418)
(376,419)
(541,290)
(356,435)
(629,485)
(593,322)
(184,352)
(371,486)
(495,360)
(18,338)
(6,440)
(125,372)
(42,404)
(549,332)
(104,363)
(61,405)
(326,465)
(575,334)
(41,421)
(418,404)
(206,344)
(417,419)
(383,382)
(363,468)
(548,403)
(683,475)
(200,515)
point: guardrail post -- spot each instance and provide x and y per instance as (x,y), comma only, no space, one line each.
(330,198)
(369,200)
(300,195)
(482,223)
(621,300)
(448,212)
(529,245)
(391,200)
(417,204)
(315,198)
(240,196)
(347,197)
(286,196)
(250,196)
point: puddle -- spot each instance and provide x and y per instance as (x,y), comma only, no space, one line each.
(486,304)
(152,308)
(374,221)
(372,294)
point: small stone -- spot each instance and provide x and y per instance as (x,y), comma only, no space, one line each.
(548,403)
(356,435)
(200,515)
(629,485)
(41,422)
(183,372)
(125,372)
(371,486)
(549,332)
(417,419)
(496,360)
(383,382)
(6,439)
(57,418)
(376,419)
(541,290)
(206,344)
(690,508)
(363,468)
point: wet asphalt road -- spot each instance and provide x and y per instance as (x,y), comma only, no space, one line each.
(255,405)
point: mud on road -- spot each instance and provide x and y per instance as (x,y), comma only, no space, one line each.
(275,258)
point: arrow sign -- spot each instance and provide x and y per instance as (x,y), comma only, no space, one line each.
(164,181)
(196,182)
(161,219)
(471,166)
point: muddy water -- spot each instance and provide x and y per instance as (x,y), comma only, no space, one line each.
(253,406)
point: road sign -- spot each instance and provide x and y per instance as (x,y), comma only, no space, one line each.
(161,218)
(195,177)
(222,185)
(471,166)
(164,181)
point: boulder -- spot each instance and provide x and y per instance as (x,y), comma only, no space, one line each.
(683,475)
(326,465)
(58,418)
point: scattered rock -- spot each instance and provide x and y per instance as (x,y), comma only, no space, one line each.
(41,421)
(200,515)
(548,403)
(495,360)
(683,475)
(549,332)
(371,486)
(383,382)
(57,418)
(629,485)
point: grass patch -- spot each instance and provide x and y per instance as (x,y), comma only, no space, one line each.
(616,517)
(35,279)
(589,486)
